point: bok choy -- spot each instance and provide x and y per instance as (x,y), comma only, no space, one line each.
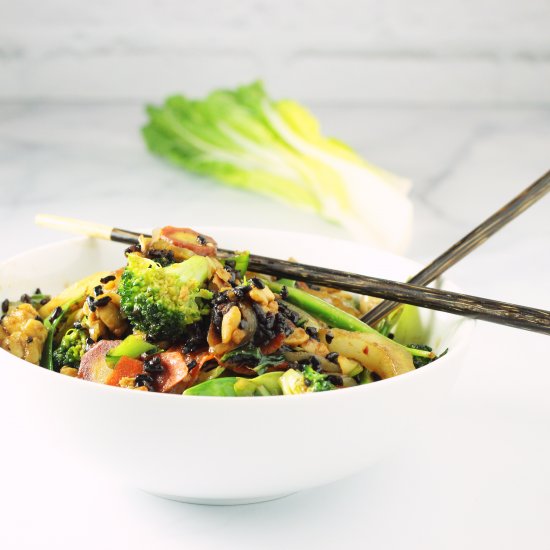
(245,139)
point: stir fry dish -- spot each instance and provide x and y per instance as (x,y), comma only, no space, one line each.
(181,318)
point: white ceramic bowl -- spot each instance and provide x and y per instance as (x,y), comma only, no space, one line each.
(214,449)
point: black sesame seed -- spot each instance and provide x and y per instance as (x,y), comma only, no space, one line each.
(5,305)
(37,318)
(307,381)
(29,340)
(77,325)
(332,357)
(44,301)
(153,365)
(334,379)
(98,290)
(201,239)
(312,332)
(144,380)
(100,302)
(284,293)
(90,341)
(107,279)
(56,313)
(258,283)
(38,291)
(314,362)
(26,299)
(143,377)
(132,248)
(391,335)
(192,364)
(329,337)
(91,303)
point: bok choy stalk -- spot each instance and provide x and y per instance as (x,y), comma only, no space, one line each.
(245,139)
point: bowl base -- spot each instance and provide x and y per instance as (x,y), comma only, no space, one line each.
(220,501)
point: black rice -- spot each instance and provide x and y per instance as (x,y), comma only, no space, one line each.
(103,301)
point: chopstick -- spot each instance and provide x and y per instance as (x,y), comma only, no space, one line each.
(470,242)
(517,316)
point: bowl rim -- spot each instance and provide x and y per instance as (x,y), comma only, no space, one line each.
(464,333)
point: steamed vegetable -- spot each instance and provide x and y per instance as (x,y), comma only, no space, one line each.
(236,386)
(132,346)
(245,139)
(196,323)
(374,352)
(338,318)
(163,301)
(71,349)
(304,381)
(52,323)
(252,357)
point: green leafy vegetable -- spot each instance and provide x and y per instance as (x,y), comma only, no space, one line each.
(163,301)
(245,139)
(421,360)
(253,357)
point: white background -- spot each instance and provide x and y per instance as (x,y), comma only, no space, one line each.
(454,95)
(490,52)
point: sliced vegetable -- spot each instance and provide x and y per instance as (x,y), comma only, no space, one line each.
(372,350)
(132,346)
(93,365)
(334,316)
(320,309)
(126,367)
(72,293)
(223,387)
(183,237)
(235,386)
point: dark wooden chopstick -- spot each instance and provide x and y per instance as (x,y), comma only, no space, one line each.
(527,318)
(471,241)
(503,313)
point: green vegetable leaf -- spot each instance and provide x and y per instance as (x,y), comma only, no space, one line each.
(236,386)
(245,139)
(253,357)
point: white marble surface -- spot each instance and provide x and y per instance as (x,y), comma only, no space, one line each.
(479,479)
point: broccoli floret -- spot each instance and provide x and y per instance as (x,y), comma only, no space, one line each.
(305,380)
(316,381)
(163,301)
(71,349)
